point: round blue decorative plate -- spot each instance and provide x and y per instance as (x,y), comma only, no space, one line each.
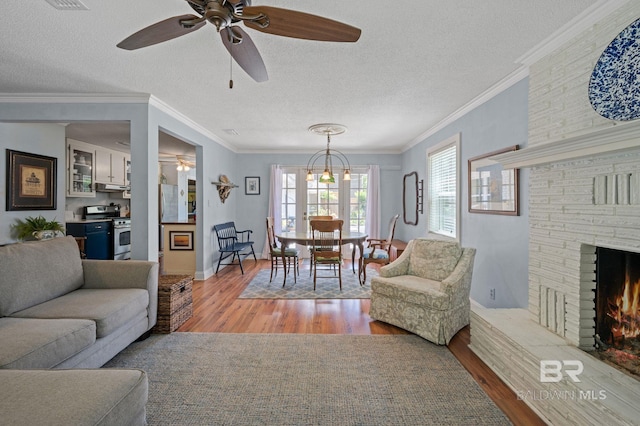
(614,89)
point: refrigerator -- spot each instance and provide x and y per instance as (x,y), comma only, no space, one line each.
(168,203)
(168,209)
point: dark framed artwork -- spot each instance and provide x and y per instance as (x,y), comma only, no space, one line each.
(31,181)
(180,240)
(492,188)
(252,185)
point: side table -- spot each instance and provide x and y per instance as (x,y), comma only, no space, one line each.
(397,247)
(175,302)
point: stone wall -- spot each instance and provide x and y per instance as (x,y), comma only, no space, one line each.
(578,204)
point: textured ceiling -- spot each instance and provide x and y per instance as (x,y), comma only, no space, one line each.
(416,63)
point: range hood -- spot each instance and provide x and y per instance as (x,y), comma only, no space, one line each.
(110,187)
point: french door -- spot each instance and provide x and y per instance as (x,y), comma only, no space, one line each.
(346,200)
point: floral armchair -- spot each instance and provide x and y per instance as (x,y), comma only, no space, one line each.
(426,290)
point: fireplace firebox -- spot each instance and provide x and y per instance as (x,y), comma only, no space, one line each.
(617,339)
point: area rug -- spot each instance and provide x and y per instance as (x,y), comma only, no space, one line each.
(305,379)
(261,288)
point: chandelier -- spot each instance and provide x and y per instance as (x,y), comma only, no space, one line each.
(328,155)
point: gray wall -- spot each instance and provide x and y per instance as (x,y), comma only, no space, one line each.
(42,139)
(251,210)
(501,241)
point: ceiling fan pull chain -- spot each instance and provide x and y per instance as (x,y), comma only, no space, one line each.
(230,71)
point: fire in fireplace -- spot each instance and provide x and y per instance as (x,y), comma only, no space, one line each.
(617,338)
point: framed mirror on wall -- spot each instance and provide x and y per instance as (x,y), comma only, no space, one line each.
(412,198)
(492,188)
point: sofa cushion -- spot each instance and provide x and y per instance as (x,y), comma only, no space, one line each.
(37,271)
(40,343)
(412,289)
(434,259)
(110,309)
(73,397)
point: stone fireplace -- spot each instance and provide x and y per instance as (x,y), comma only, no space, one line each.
(584,200)
(617,308)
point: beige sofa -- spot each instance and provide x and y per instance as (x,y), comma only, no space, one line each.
(58,311)
(426,290)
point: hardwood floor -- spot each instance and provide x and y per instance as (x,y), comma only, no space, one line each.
(216,308)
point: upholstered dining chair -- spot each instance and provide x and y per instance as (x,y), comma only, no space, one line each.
(326,217)
(291,255)
(327,247)
(378,250)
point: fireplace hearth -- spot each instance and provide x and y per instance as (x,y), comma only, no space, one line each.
(617,302)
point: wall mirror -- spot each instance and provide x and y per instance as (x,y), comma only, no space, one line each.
(411,198)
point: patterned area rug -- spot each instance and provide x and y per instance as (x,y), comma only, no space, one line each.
(305,379)
(261,288)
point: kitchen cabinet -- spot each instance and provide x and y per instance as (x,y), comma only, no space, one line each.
(110,166)
(98,234)
(80,164)
(127,176)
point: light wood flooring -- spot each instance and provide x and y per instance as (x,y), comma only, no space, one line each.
(217,309)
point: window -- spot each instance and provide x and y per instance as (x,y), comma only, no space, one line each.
(288,209)
(358,201)
(443,189)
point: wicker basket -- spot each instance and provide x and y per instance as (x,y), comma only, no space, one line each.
(175,302)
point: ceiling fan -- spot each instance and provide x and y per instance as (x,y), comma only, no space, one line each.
(183,162)
(225,14)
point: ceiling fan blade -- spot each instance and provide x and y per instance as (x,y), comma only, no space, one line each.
(244,52)
(290,23)
(161,31)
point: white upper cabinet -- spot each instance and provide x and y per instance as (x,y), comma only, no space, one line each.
(110,166)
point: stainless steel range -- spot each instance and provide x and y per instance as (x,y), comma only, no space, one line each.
(120,241)
(121,238)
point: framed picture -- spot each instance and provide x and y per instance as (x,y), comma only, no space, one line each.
(180,240)
(252,185)
(31,181)
(492,188)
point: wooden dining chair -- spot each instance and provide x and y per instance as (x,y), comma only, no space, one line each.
(326,217)
(291,255)
(327,247)
(378,250)
(81,241)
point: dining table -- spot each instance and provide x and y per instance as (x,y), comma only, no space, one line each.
(356,239)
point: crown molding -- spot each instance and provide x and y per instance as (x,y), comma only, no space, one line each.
(617,138)
(488,94)
(75,98)
(111,98)
(169,110)
(585,20)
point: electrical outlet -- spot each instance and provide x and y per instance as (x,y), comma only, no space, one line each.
(492,294)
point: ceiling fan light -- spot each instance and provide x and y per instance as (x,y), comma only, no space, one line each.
(187,168)
(179,168)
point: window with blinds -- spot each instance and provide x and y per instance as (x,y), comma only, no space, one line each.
(443,188)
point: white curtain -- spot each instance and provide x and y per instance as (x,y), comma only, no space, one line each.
(275,205)
(372,224)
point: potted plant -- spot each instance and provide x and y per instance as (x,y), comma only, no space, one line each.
(38,228)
